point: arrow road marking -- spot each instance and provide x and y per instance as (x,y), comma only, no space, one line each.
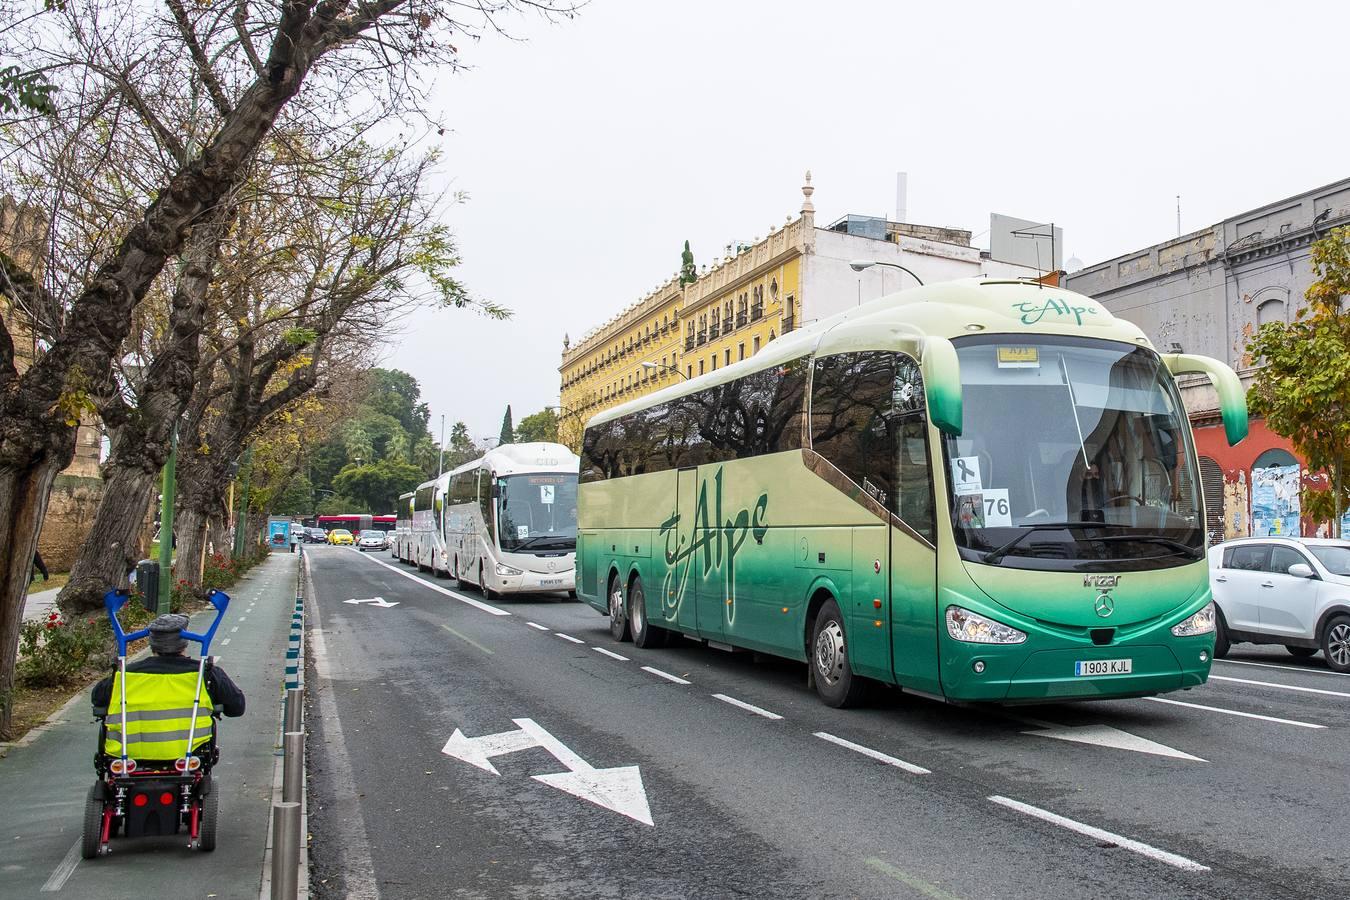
(618,789)
(1106,736)
(374,601)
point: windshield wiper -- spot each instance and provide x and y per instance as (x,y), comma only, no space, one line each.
(1176,546)
(994,556)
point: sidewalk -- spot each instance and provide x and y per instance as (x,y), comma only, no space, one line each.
(43,783)
(40,603)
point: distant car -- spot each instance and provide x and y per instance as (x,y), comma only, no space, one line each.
(316,536)
(373,539)
(339,536)
(1284,590)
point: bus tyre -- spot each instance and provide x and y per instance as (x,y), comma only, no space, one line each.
(458,576)
(618,614)
(645,634)
(91,840)
(571,595)
(835,681)
(1336,643)
(488,593)
(1220,637)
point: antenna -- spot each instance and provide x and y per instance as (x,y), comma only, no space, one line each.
(1178,215)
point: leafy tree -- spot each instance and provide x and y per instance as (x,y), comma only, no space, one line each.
(542,426)
(508,432)
(462,448)
(1303,387)
(24,91)
(377,486)
(688,272)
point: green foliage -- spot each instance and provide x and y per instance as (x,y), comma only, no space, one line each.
(54,651)
(542,426)
(376,487)
(461,448)
(688,272)
(508,432)
(1303,386)
(22,91)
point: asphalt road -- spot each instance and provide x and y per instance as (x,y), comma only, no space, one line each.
(754,788)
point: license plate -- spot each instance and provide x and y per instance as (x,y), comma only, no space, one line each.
(1103,667)
(547,582)
(1091,667)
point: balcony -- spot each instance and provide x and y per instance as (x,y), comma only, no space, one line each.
(714,330)
(756,312)
(789,323)
(689,343)
(741,318)
(701,338)
(728,324)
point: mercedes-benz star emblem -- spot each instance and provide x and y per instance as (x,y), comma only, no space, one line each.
(1104,605)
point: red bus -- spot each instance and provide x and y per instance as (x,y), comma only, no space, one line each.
(357,524)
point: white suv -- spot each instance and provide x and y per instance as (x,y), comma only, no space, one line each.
(1281,590)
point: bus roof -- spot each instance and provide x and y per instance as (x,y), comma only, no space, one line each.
(948,309)
(536,456)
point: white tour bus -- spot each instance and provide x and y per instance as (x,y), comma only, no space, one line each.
(511,520)
(427,538)
(401,545)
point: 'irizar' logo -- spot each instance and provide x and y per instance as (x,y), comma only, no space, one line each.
(1032,311)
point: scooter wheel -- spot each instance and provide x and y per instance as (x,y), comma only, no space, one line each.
(206,828)
(91,841)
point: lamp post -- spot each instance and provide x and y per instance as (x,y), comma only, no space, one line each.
(648,364)
(858,265)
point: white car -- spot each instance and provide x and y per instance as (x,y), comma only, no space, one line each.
(1283,590)
(372,539)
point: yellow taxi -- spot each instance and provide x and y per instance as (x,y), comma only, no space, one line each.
(339,536)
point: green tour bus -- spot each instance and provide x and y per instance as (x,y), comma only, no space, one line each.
(979,490)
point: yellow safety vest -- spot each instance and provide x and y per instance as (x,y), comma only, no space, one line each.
(159,715)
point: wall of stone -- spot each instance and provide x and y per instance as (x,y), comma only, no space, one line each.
(70,514)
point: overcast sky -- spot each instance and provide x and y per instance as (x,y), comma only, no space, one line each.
(592,149)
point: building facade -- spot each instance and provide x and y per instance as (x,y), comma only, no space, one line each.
(797,273)
(1207,292)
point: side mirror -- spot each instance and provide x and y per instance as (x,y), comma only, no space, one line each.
(1301,570)
(942,384)
(1232,398)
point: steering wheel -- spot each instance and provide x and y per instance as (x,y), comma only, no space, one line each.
(1112,501)
(1037,512)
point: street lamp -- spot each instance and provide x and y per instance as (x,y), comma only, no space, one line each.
(858,265)
(648,364)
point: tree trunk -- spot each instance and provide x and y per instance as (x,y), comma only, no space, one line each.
(23,504)
(190,526)
(112,547)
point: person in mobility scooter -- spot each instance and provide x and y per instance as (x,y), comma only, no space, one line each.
(158,780)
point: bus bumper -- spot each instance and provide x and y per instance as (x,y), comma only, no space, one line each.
(528,582)
(1025,674)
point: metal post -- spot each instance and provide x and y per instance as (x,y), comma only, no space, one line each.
(440,462)
(241,522)
(293,766)
(285,851)
(166,526)
(295,714)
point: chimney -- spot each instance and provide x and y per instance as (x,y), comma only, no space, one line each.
(901,196)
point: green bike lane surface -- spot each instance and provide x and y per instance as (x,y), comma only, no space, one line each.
(43,784)
(742,805)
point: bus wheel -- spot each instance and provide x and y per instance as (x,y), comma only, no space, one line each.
(456,574)
(618,616)
(835,681)
(645,634)
(488,593)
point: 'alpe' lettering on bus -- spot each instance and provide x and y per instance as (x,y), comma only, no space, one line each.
(1032,311)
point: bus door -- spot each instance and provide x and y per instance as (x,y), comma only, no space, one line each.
(680,600)
(870,650)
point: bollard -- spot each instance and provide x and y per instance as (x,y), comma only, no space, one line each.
(292,766)
(295,709)
(285,851)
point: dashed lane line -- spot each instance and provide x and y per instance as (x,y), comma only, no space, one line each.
(874,754)
(537,626)
(235,628)
(476,604)
(610,653)
(1278,686)
(1099,834)
(1301,670)
(666,675)
(466,639)
(1234,712)
(64,869)
(568,637)
(748,707)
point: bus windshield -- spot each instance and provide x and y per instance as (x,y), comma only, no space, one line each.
(537,513)
(1074,455)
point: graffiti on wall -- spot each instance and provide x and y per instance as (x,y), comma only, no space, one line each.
(1235,523)
(1275,500)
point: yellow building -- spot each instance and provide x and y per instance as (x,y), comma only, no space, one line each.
(796,274)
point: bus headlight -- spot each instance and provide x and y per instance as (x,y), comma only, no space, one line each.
(506,570)
(1200,623)
(973,628)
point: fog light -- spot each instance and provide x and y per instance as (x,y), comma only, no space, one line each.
(979,666)
(1204,656)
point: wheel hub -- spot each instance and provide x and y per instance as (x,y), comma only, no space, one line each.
(830,653)
(616,603)
(1338,645)
(639,615)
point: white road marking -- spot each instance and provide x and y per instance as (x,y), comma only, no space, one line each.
(225,642)
(243,618)
(568,637)
(610,653)
(1299,669)
(748,707)
(1234,712)
(618,789)
(234,629)
(1099,834)
(666,675)
(537,625)
(476,604)
(1106,736)
(373,601)
(1282,687)
(64,869)
(873,754)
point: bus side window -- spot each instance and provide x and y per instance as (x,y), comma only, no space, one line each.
(485,503)
(915,492)
(853,419)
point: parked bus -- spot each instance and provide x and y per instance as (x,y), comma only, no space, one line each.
(427,534)
(979,490)
(401,547)
(356,523)
(511,520)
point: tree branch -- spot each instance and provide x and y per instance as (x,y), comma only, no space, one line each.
(204,69)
